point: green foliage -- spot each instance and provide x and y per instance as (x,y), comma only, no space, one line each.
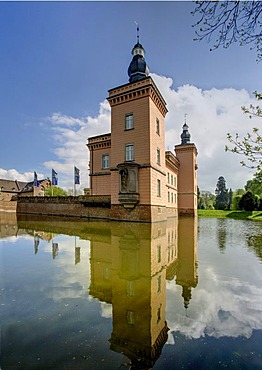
(236,200)
(223,198)
(255,186)
(55,191)
(239,192)
(248,202)
(230,22)
(255,215)
(206,200)
(250,146)
(210,213)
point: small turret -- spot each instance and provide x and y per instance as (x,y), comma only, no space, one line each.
(138,68)
(185,136)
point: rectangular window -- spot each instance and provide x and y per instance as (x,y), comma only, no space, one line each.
(158,156)
(168,197)
(129,122)
(158,188)
(105,161)
(106,273)
(157,126)
(159,284)
(159,314)
(130,317)
(168,178)
(172,179)
(159,253)
(130,155)
(130,288)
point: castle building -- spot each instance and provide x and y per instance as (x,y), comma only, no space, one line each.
(10,188)
(145,182)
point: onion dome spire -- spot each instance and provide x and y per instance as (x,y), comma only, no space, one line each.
(185,136)
(138,68)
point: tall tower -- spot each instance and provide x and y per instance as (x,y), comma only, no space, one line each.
(186,153)
(137,162)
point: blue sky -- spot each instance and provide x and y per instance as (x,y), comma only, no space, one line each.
(59,59)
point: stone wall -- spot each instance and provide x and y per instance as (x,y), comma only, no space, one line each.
(7,206)
(97,207)
(91,207)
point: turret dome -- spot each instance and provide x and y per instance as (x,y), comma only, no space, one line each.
(185,136)
(138,68)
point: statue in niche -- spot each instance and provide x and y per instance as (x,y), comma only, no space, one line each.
(124,178)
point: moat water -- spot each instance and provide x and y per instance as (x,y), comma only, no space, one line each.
(182,294)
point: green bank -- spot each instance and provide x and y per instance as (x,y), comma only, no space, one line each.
(254,215)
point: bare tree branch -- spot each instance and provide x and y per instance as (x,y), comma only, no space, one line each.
(230,22)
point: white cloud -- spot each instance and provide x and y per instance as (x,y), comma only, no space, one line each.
(211,114)
(230,308)
(106,310)
(60,119)
(71,134)
(13,174)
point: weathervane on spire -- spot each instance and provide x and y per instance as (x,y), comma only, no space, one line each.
(185,117)
(137,31)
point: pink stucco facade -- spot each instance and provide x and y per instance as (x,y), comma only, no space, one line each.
(131,165)
(138,171)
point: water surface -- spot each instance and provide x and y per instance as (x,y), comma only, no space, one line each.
(181,294)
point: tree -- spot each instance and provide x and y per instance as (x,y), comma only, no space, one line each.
(222,196)
(248,202)
(255,186)
(230,198)
(239,192)
(55,191)
(236,200)
(230,22)
(206,200)
(237,195)
(251,144)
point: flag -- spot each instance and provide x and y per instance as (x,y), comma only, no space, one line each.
(77,175)
(54,177)
(36,182)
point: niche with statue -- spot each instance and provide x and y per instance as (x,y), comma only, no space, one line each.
(128,185)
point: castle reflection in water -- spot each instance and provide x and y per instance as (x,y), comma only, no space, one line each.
(129,266)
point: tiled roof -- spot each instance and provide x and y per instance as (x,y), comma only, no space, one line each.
(11,185)
(14,186)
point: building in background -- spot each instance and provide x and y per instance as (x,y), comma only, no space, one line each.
(130,164)
(9,188)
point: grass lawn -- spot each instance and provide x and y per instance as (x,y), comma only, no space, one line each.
(255,215)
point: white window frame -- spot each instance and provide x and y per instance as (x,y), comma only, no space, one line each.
(130,288)
(105,161)
(129,152)
(130,317)
(129,121)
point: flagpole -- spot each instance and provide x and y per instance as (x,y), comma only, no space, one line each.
(74,183)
